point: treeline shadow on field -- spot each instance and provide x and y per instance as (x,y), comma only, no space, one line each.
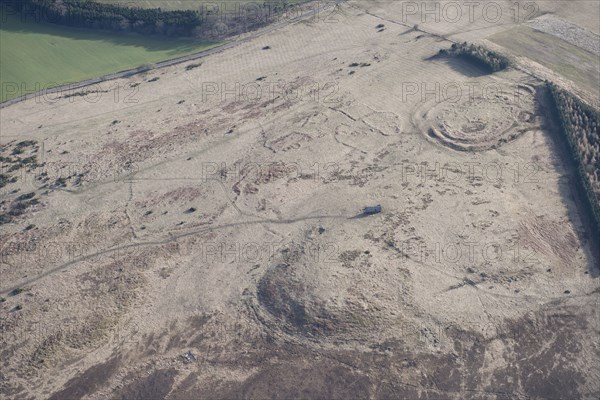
(569,188)
(177,46)
(462,65)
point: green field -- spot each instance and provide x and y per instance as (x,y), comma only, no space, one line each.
(554,53)
(48,55)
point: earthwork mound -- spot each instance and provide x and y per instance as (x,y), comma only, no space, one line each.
(290,304)
(479,122)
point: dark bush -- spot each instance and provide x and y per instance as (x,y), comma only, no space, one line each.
(190,67)
(4,179)
(25,196)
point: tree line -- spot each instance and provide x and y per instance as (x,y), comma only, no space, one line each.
(580,126)
(487,58)
(90,14)
(205,22)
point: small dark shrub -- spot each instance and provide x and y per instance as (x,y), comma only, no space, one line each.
(25,196)
(190,67)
